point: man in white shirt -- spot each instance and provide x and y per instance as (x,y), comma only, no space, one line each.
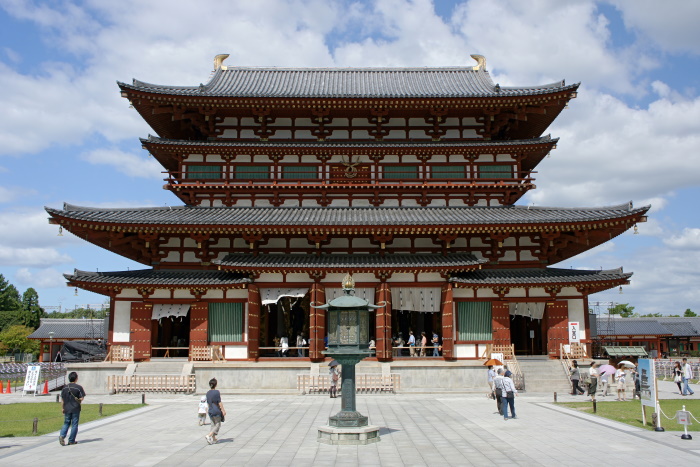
(498,388)
(687,376)
(412,343)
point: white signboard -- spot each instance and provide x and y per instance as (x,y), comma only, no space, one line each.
(646,369)
(574,335)
(498,356)
(32,379)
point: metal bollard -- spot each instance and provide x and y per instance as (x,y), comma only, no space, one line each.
(555,396)
(35,427)
(100,409)
(595,409)
(57,396)
(143,399)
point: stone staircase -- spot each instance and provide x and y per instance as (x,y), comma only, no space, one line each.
(168,367)
(544,375)
(154,376)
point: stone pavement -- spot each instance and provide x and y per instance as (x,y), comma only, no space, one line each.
(428,429)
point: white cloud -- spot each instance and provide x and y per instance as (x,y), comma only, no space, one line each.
(44,278)
(31,230)
(125,162)
(8,194)
(688,239)
(672,24)
(33,257)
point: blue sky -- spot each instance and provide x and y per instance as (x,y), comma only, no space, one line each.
(632,134)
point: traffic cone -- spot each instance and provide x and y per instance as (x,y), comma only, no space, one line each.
(9,388)
(46,386)
(2,389)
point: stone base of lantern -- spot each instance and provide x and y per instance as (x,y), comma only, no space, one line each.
(354,435)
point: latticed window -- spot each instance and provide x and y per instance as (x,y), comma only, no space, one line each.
(474,321)
(400,172)
(226,322)
(448,171)
(496,171)
(299,172)
(203,172)
(251,172)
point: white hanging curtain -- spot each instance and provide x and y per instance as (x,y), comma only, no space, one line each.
(272,296)
(534,310)
(422,299)
(365,293)
(165,310)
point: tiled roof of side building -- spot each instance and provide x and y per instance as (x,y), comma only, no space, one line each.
(356,261)
(630,327)
(351,144)
(681,326)
(87,329)
(530,276)
(343,216)
(165,277)
(447,82)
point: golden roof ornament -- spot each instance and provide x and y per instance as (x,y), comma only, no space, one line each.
(348,282)
(480,62)
(219,61)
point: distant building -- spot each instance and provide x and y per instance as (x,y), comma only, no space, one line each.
(52,333)
(667,336)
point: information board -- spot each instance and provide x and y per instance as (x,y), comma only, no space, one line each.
(574,336)
(32,379)
(647,377)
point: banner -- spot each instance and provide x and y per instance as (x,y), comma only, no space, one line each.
(574,336)
(645,366)
(32,378)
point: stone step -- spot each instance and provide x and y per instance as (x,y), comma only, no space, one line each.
(159,368)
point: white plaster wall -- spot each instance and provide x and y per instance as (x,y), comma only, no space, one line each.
(485,158)
(194,158)
(538,292)
(160,293)
(276,243)
(465,351)
(214,294)
(129,293)
(470,134)
(122,321)
(451,134)
(462,293)
(360,203)
(504,158)
(340,243)
(401,277)
(526,256)
(304,134)
(172,242)
(248,134)
(516,293)
(298,277)
(429,277)
(242,203)
(577,313)
(438,158)
(189,257)
(214,158)
(340,202)
(509,256)
(235,352)
(242,158)
(485,293)
(173,257)
(237,293)
(396,134)
(261,158)
(281,134)
(182,294)
(417,134)
(339,122)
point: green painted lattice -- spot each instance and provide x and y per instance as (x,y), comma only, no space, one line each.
(203,172)
(474,321)
(226,322)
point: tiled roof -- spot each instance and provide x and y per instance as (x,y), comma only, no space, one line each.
(69,329)
(356,262)
(164,277)
(528,276)
(630,327)
(350,144)
(457,82)
(330,216)
(681,326)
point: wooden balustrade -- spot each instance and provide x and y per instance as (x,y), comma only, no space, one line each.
(120,353)
(151,383)
(364,383)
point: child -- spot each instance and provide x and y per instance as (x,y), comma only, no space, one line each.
(203,409)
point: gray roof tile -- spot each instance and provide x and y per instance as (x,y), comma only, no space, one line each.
(528,276)
(160,277)
(69,329)
(329,216)
(630,327)
(345,262)
(446,82)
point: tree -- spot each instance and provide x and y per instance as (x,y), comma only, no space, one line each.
(10,305)
(30,305)
(79,313)
(689,313)
(622,309)
(650,315)
(15,339)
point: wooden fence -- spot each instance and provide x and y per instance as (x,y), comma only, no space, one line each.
(151,383)
(120,353)
(364,383)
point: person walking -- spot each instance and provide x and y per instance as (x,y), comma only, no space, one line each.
(202,411)
(620,379)
(593,385)
(508,397)
(216,411)
(678,376)
(301,342)
(575,378)
(604,377)
(436,342)
(411,344)
(72,397)
(687,376)
(284,346)
(334,374)
(498,389)
(490,377)
(423,343)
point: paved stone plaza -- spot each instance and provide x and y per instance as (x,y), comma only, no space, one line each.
(416,430)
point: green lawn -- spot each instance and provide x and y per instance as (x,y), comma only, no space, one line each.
(630,412)
(17,419)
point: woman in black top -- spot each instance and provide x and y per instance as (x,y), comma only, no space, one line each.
(678,376)
(575,378)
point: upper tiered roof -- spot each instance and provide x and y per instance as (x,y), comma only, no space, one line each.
(364,83)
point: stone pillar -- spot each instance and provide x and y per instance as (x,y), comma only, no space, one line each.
(447,322)
(253,322)
(383,324)
(317,323)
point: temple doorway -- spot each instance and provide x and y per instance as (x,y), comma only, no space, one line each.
(403,322)
(170,336)
(284,320)
(526,335)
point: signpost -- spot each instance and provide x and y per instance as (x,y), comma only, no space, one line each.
(574,335)
(31,380)
(649,392)
(683,418)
